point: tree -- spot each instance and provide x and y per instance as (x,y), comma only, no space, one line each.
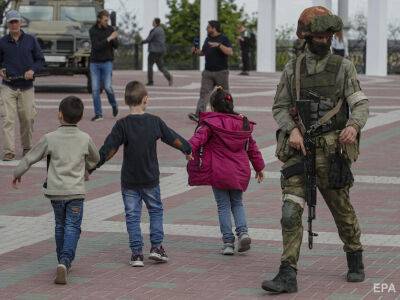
(128,28)
(394,31)
(3,6)
(128,54)
(284,36)
(183,26)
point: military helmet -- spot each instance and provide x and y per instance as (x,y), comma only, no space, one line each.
(318,20)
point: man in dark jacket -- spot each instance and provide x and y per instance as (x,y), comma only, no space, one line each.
(20,58)
(104,40)
(157,48)
(244,41)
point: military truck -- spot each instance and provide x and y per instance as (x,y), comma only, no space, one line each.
(62,29)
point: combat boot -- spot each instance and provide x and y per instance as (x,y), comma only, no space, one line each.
(356,267)
(284,282)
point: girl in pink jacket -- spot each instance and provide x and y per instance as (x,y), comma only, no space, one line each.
(222,147)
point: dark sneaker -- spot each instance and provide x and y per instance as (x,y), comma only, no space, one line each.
(244,242)
(8,157)
(228,249)
(136,260)
(193,117)
(115,111)
(171,81)
(61,276)
(158,254)
(97,118)
(244,73)
(150,83)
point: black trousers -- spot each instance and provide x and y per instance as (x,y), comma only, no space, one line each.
(245,60)
(156,58)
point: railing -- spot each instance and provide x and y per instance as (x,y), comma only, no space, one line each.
(180,58)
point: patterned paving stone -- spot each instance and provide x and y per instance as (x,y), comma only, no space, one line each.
(196,270)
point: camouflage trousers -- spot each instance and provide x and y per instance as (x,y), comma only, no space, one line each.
(337,200)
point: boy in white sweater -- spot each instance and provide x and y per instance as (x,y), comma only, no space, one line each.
(69,153)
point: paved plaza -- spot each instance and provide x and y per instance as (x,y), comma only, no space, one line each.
(196,270)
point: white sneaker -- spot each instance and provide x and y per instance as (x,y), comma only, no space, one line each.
(61,277)
(244,242)
(158,254)
(228,249)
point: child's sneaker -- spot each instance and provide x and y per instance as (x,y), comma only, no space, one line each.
(61,277)
(136,260)
(244,242)
(228,249)
(158,254)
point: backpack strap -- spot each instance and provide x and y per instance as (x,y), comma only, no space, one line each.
(297,74)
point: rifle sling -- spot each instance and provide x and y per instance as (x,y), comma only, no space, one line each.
(298,67)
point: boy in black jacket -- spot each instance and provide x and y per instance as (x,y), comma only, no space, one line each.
(139,132)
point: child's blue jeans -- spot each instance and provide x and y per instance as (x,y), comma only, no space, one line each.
(133,211)
(227,201)
(68,218)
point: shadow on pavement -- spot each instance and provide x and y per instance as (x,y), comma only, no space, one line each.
(70,88)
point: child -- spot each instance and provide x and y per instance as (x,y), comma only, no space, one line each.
(222,147)
(139,132)
(69,151)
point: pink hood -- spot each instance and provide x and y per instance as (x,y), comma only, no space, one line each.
(222,150)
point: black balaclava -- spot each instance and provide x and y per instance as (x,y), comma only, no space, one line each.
(320,49)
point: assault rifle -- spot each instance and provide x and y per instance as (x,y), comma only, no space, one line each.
(304,112)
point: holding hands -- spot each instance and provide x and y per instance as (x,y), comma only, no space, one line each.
(260,176)
(15,182)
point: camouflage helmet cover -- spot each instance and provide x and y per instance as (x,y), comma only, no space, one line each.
(318,20)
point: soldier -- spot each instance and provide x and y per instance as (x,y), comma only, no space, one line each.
(334,79)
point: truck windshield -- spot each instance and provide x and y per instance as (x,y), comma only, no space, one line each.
(36,13)
(78,14)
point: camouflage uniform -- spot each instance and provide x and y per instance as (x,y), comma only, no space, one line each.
(324,89)
(345,85)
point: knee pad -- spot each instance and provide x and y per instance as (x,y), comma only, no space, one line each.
(291,215)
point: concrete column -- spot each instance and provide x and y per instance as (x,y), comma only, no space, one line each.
(377,38)
(208,11)
(266,49)
(325,3)
(343,11)
(150,11)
